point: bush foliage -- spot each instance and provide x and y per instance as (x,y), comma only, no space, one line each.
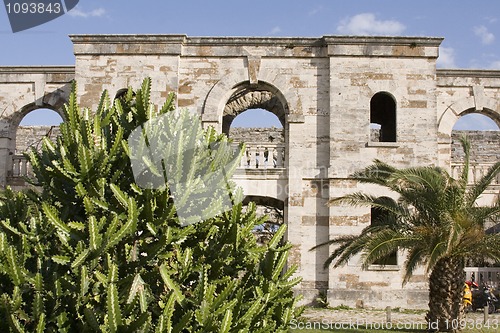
(93,252)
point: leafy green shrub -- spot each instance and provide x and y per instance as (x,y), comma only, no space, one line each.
(94,252)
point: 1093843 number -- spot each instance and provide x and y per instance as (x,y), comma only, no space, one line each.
(33,8)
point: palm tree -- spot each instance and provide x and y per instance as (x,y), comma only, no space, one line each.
(435,219)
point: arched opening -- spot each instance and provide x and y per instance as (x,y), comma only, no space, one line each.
(382,118)
(31,125)
(34,126)
(256,115)
(263,135)
(484,136)
(274,210)
(256,118)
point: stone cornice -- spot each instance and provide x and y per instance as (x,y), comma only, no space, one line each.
(468,73)
(124,38)
(383,46)
(262,46)
(256,41)
(384,40)
(127,44)
(37,70)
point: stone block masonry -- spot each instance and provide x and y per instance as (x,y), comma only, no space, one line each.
(326,92)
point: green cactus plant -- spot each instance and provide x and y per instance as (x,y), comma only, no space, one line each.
(94,252)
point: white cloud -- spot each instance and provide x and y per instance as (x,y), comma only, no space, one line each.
(367,24)
(483,33)
(491,19)
(274,31)
(79,12)
(446,58)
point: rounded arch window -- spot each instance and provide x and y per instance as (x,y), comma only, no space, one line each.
(383,117)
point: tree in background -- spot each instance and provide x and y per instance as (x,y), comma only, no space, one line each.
(435,219)
(94,252)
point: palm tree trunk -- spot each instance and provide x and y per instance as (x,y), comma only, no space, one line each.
(445,295)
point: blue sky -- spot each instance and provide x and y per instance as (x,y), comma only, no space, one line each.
(471,28)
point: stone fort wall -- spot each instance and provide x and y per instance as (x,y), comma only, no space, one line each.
(485,146)
(28,137)
(321,90)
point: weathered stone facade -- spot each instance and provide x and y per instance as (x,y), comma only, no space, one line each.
(257,134)
(485,146)
(29,137)
(325,91)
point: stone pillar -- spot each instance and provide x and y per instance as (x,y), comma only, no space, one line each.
(211,119)
(5,159)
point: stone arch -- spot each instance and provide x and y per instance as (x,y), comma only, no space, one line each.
(53,101)
(222,90)
(17,117)
(245,96)
(490,107)
(29,134)
(16,165)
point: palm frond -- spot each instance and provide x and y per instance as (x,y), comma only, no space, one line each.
(464,177)
(428,177)
(377,173)
(333,241)
(423,188)
(416,256)
(380,245)
(359,199)
(471,244)
(480,215)
(342,254)
(438,252)
(481,186)
(489,247)
(356,199)
(348,247)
